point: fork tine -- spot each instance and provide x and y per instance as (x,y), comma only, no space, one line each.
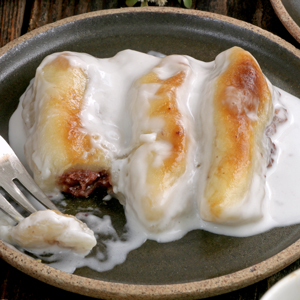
(19,172)
(9,209)
(34,189)
(18,196)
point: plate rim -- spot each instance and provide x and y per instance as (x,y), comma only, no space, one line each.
(112,290)
(285,18)
(153,9)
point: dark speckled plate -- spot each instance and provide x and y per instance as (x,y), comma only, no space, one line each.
(288,11)
(201,264)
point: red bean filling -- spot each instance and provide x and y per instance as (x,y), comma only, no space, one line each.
(81,183)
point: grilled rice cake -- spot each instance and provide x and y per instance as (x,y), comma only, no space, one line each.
(242,108)
(59,151)
(160,160)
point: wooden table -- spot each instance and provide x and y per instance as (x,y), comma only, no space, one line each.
(19,16)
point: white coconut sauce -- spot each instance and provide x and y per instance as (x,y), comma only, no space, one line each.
(280,205)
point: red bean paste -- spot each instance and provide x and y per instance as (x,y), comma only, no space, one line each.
(81,183)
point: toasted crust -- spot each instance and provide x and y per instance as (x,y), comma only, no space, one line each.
(163,105)
(242,109)
(61,142)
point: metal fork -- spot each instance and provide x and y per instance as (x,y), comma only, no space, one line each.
(12,169)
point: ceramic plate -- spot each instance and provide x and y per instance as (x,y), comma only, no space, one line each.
(288,11)
(287,288)
(201,264)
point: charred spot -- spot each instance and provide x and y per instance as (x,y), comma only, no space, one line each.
(247,77)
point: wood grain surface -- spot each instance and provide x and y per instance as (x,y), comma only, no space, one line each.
(19,16)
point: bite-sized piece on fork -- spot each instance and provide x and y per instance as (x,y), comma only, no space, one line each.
(43,230)
(49,231)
